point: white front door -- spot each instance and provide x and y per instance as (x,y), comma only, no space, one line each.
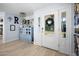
(49,27)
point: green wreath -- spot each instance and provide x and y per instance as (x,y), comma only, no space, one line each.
(49,19)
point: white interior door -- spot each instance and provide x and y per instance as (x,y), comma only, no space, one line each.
(63,31)
(49,30)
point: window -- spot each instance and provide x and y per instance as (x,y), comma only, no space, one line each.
(49,23)
(63,24)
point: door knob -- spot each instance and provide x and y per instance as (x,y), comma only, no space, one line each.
(42,29)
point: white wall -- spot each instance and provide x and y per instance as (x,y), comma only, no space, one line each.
(10,35)
(29,17)
(48,10)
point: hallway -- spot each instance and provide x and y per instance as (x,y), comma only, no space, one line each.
(21,48)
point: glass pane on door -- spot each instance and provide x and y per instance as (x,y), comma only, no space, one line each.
(49,23)
(63,24)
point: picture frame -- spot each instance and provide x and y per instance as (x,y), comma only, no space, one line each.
(12,27)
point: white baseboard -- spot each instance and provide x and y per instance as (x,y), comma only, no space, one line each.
(7,41)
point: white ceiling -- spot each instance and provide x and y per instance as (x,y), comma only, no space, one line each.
(16,8)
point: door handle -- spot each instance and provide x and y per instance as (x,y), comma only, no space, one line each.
(42,29)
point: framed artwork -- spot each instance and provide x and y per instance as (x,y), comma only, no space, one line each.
(12,27)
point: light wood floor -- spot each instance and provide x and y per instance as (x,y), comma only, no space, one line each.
(21,48)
